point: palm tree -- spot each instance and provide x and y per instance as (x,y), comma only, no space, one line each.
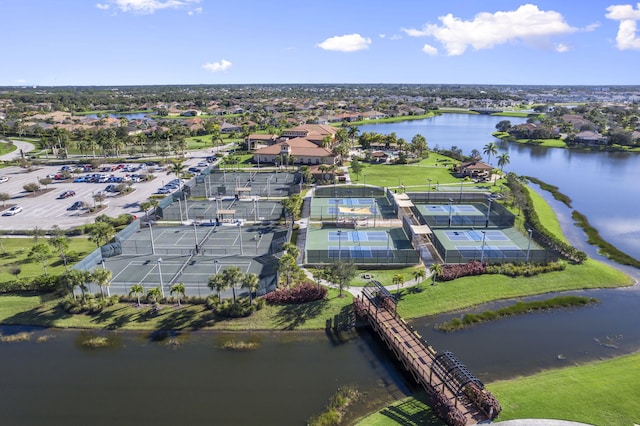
(250,282)
(436,270)
(72,279)
(490,149)
(179,290)
(138,290)
(397,279)
(419,274)
(218,284)
(292,249)
(154,294)
(102,277)
(176,168)
(231,276)
(40,253)
(503,160)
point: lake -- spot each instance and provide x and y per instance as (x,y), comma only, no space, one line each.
(602,185)
(192,379)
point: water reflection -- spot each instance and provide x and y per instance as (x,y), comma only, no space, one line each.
(188,378)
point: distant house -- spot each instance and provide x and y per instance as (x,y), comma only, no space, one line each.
(372,115)
(473,169)
(229,128)
(304,151)
(591,138)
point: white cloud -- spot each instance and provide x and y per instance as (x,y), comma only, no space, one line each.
(627,37)
(396,37)
(527,24)
(429,50)
(592,27)
(20,81)
(145,7)
(382,35)
(346,43)
(562,48)
(221,65)
(196,11)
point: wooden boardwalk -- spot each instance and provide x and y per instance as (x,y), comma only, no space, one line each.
(441,374)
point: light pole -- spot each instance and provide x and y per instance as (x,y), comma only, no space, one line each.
(373,205)
(388,235)
(450,210)
(461,182)
(240,236)
(484,235)
(186,208)
(429,191)
(530,231)
(217,263)
(255,210)
(486,225)
(339,245)
(337,208)
(159,261)
(195,234)
(365,182)
(153,247)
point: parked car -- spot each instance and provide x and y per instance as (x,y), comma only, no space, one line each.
(3,179)
(111,188)
(194,170)
(203,165)
(67,194)
(13,211)
(80,179)
(163,191)
(77,205)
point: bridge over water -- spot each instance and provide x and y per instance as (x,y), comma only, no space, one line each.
(457,396)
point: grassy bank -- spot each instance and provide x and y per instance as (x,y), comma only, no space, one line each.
(519,308)
(554,190)
(599,393)
(471,291)
(606,248)
(387,119)
(43,310)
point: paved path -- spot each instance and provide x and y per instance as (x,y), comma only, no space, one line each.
(24,146)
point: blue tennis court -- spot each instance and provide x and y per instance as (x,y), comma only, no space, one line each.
(473,235)
(358,252)
(489,251)
(357,236)
(351,201)
(446,208)
(331,210)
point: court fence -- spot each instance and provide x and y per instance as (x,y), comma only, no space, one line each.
(494,255)
(380,258)
(348,191)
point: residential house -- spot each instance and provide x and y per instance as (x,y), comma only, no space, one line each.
(590,138)
(254,141)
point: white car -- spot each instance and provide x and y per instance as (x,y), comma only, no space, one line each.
(13,211)
(3,179)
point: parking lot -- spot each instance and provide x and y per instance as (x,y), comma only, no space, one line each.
(49,208)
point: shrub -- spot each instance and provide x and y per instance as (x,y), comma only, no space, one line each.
(302,293)
(453,271)
(229,309)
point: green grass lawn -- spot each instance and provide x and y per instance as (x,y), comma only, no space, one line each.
(6,148)
(470,291)
(546,215)
(43,310)
(436,168)
(603,393)
(14,252)
(600,393)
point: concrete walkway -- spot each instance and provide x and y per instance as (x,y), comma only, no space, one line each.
(24,146)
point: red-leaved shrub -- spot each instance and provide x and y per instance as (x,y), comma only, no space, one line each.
(302,293)
(453,271)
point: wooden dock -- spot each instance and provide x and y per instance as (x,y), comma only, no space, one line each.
(457,396)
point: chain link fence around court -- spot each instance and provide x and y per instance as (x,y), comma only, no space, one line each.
(373,256)
(220,183)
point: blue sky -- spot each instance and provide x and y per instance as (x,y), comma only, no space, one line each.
(133,42)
